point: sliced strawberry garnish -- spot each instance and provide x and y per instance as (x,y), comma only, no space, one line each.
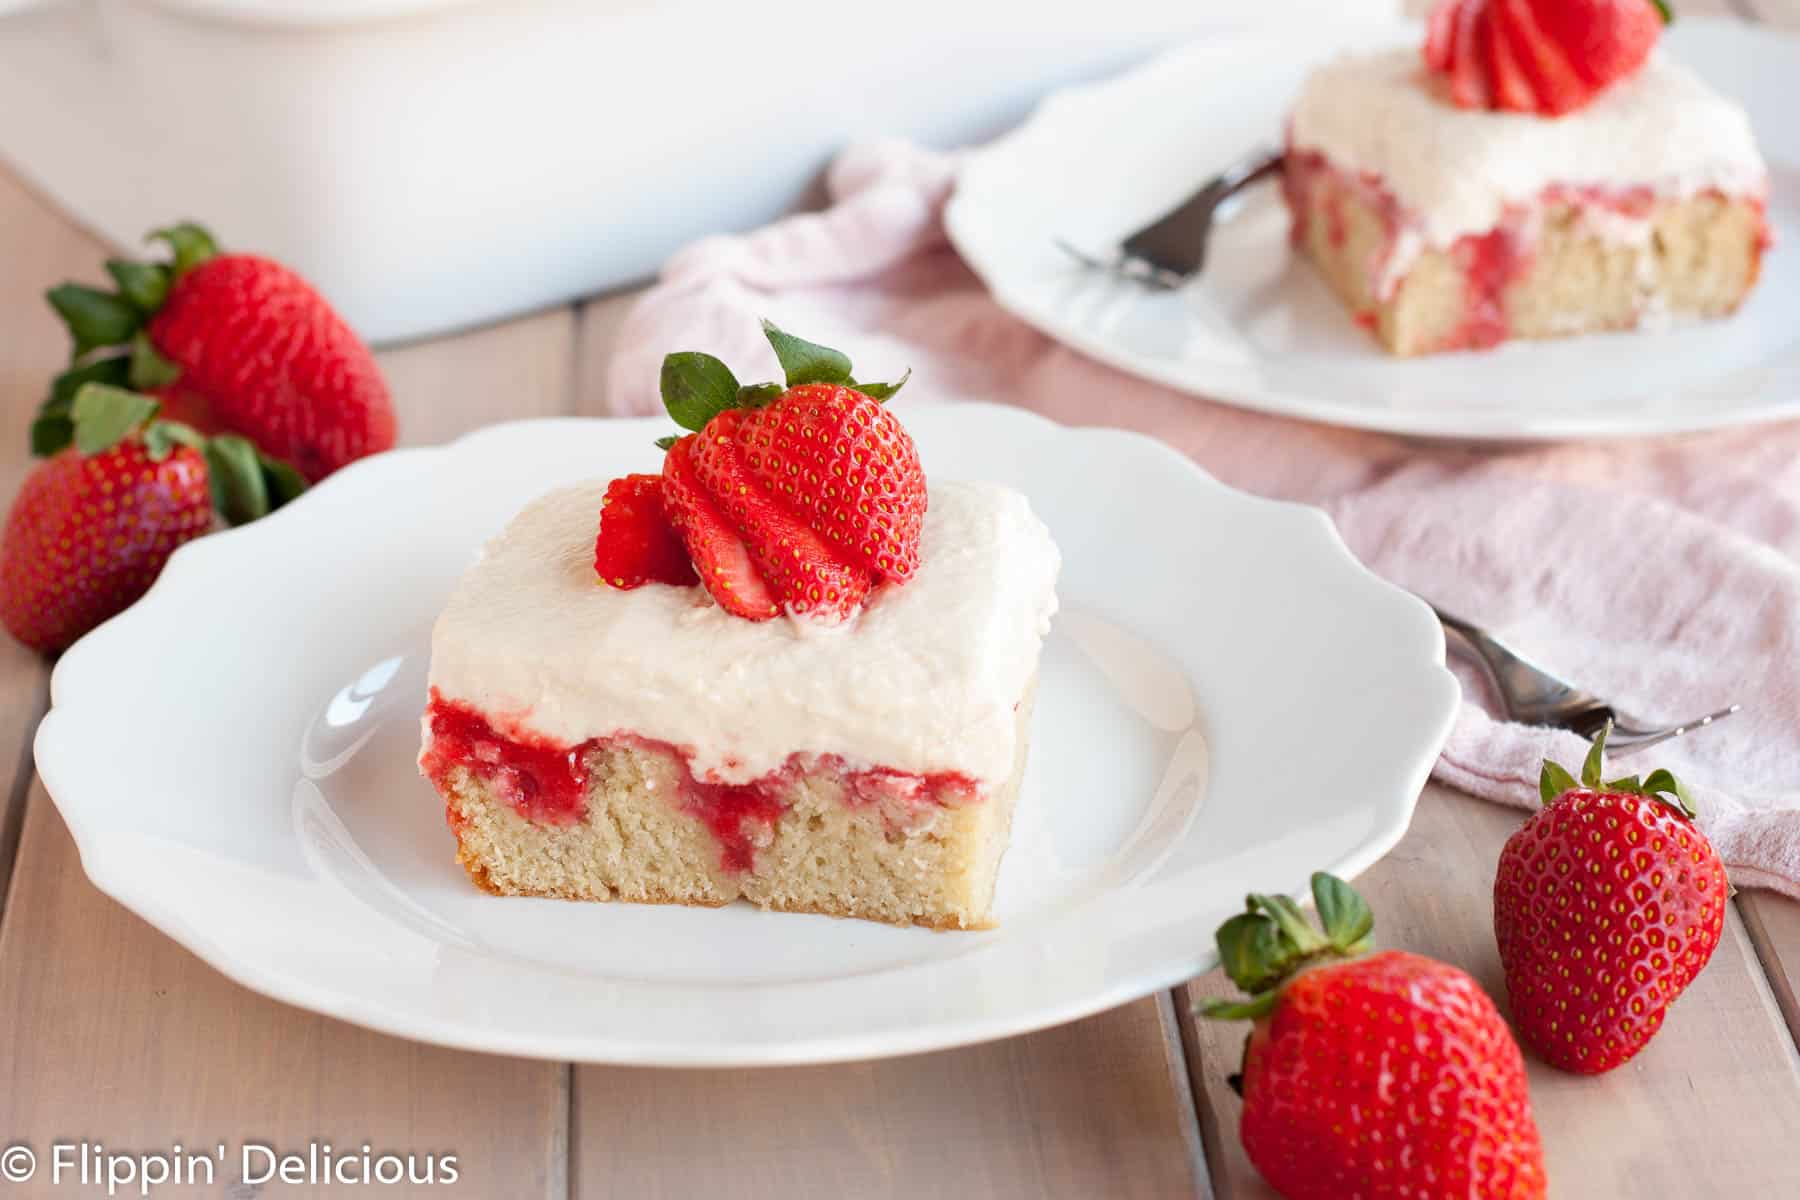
(1545,56)
(798,498)
(808,575)
(717,551)
(1605,40)
(637,544)
(1440,35)
(1468,59)
(1559,87)
(846,463)
(1511,86)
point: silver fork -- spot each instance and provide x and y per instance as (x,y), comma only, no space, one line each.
(1533,696)
(1172,249)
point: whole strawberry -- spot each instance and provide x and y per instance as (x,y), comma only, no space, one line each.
(1371,1075)
(1607,903)
(796,498)
(92,527)
(1542,56)
(231,343)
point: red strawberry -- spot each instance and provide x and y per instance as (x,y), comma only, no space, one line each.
(796,498)
(1511,86)
(1605,40)
(849,466)
(716,549)
(798,564)
(1468,55)
(1440,34)
(1545,56)
(92,527)
(1608,903)
(637,544)
(1558,86)
(233,343)
(1385,1075)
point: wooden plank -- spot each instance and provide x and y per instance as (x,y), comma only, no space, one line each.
(107,1029)
(1772,922)
(1707,1110)
(595,335)
(1090,1109)
(113,1033)
(1783,14)
(40,250)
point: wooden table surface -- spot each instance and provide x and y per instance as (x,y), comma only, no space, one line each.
(112,1033)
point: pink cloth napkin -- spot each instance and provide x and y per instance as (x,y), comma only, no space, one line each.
(1659,573)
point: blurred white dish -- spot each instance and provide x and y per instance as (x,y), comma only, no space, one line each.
(435,163)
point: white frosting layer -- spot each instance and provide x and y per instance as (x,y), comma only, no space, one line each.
(923,680)
(1456,170)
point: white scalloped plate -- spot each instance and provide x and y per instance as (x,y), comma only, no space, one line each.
(1259,329)
(1228,702)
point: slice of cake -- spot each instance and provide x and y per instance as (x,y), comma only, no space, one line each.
(1530,178)
(785,670)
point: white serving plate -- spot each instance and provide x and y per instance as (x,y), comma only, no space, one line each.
(1228,702)
(1259,329)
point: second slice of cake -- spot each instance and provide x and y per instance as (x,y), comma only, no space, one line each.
(1524,180)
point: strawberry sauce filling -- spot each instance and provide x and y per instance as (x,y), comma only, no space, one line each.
(547,781)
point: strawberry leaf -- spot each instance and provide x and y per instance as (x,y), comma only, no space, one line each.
(696,388)
(758,395)
(149,370)
(284,480)
(1591,765)
(239,491)
(1240,1010)
(1345,915)
(53,428)
(246,483)
(1292,922)
(806,362)
(161,438)
(1661,783)
(191,243)
(882,391)
(1251,951)
(1668,14)
(94,318)
(51,432)
(1554,781)
(146,285)
(103,415)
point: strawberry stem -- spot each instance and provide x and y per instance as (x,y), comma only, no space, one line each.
(1271,941)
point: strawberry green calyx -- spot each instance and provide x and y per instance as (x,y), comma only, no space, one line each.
(697,387)
(1555,781)
(1667,13)
(107,330)
(245,483)
(1271,941)
(191,243)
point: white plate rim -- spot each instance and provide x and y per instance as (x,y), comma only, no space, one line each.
(83,667)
